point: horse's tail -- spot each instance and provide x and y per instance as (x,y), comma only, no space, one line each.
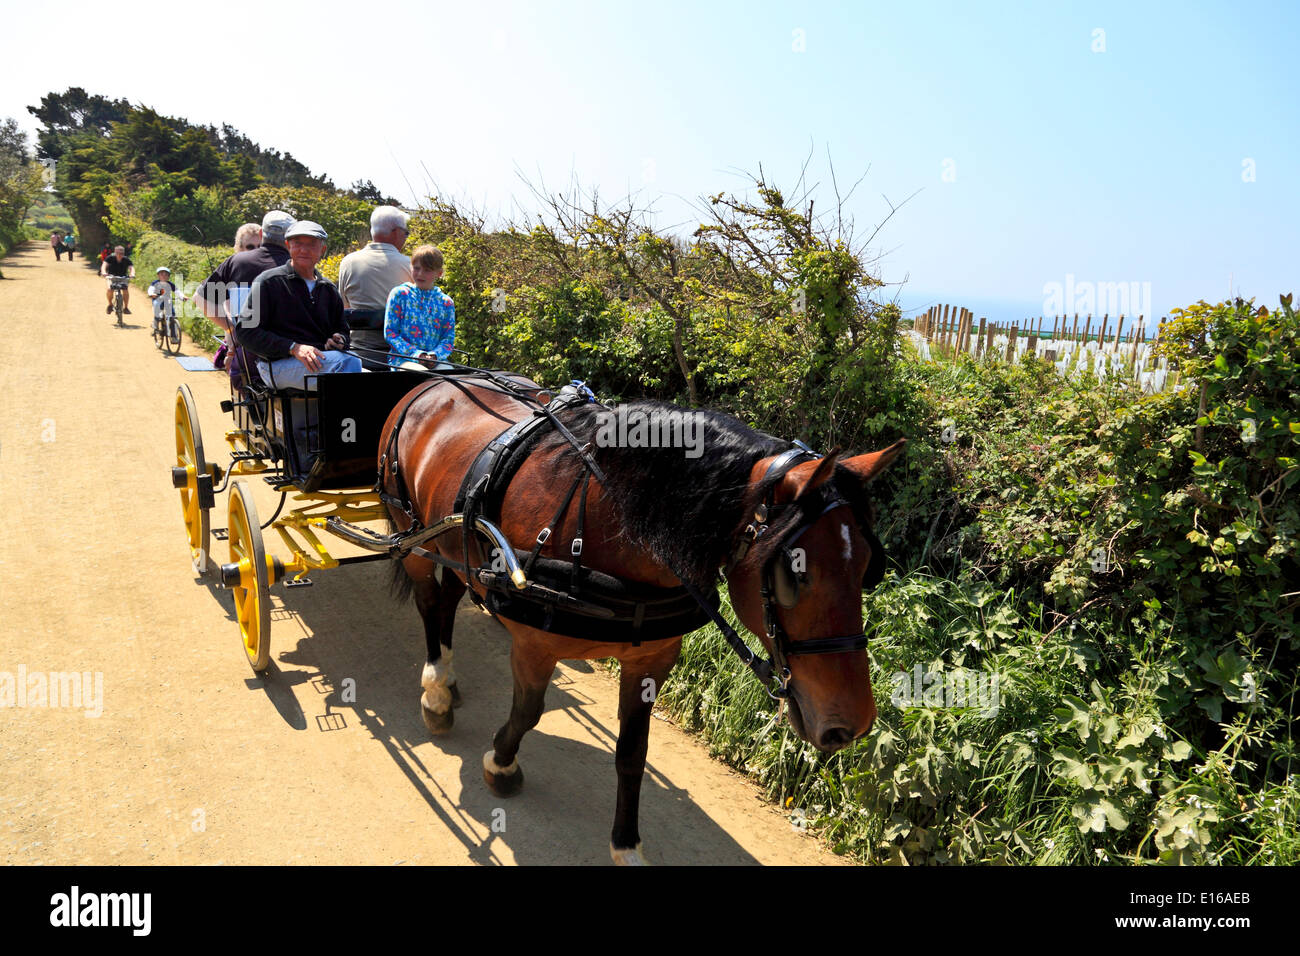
(401,587)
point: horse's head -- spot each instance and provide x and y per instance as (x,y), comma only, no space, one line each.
(802,560)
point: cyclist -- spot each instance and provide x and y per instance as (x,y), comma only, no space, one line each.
(161,291)
(117,265)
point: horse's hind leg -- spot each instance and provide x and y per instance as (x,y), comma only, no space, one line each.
(532,670)
(639,682)
(436,596)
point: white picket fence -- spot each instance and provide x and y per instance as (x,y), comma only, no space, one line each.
(948,330)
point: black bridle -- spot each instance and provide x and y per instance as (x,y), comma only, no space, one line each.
(822,500)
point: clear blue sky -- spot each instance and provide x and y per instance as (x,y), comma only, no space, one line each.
(1122,166)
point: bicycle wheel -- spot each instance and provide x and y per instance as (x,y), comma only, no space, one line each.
(117,305)
(174,335)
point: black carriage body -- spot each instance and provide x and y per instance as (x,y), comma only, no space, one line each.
(325,438)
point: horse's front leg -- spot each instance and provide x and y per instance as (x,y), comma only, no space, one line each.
(641,678)
(532,667)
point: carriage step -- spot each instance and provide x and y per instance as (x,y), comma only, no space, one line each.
(298,583)
(221,534)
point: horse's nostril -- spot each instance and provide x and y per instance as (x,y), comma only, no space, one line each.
(835,738)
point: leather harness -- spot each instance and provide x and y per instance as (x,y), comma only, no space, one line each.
(567,599)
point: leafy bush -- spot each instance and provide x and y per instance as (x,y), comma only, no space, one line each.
(1134,595)
(346,220)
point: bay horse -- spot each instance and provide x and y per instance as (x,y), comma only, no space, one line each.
(788,530)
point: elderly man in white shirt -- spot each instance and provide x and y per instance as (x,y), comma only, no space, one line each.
(367,276)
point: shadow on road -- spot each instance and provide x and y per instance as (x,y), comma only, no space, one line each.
(348,634)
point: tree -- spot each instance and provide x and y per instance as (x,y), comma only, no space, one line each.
(74,111)
(20,182)
(345,219)
(367,191)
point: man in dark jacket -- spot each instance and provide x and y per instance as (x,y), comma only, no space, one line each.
(293,318)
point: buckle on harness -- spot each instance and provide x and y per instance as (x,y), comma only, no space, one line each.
(576,548)
(544,535)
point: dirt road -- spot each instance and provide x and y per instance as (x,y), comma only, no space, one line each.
(196,760)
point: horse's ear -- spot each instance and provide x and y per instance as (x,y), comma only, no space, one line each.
(825,468)
(871,465)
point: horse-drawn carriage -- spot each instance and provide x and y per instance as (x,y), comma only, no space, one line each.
(316,445)
(624,543)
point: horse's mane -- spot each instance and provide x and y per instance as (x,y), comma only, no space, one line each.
(682,510)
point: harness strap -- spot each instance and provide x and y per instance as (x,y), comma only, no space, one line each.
(762,667)
(545,534)
(576,548)
(389,459)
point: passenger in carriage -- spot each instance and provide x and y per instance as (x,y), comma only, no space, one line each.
(293,317)
(222,294)
(420,319)
(367,276)
(293,320)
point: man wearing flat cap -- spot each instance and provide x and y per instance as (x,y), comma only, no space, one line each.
(222,294)
(293,319)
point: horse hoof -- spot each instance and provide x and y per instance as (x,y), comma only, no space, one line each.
(502,781)
(455,695)
(630,857)
(437,723)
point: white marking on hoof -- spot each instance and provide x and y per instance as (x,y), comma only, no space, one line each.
(436,679)
(628,857)
(490,765)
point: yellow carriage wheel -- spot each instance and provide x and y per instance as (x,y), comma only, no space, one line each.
(252,593)
(189,457)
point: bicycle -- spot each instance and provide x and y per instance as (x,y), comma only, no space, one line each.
(167,330)
(118,283)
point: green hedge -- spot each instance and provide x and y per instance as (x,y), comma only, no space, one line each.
(1131,581)
(8,239)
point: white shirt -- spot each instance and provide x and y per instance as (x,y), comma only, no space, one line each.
(368,275)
